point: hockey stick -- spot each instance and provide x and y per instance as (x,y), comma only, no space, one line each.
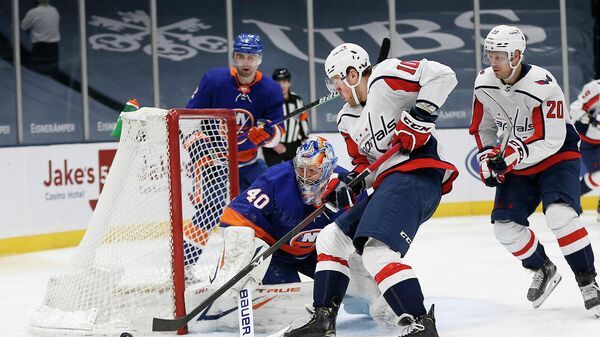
(384,51)
(242,137)
(161,324)
(509,128)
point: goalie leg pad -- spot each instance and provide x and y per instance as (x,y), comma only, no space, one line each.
(239,249)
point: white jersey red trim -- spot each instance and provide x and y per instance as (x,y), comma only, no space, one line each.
(395,86)
(535,107)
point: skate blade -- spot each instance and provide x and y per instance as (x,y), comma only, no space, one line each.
(280,332)
(595,310)
(551,285)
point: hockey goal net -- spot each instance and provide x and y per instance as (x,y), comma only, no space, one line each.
(172,176)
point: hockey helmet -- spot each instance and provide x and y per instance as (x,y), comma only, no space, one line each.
(314,164)
(505,39)
(345,56)
(248,44)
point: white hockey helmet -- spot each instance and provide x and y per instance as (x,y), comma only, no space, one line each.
(344,56)
(505,38)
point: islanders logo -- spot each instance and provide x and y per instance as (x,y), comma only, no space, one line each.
(305,239)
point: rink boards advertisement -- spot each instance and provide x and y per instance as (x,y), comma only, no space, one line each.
(51,189)
(49,192)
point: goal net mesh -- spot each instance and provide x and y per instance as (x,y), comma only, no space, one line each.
(122,274)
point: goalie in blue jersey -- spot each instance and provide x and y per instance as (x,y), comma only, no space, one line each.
(276,202)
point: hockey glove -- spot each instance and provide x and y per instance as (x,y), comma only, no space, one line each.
(489,177)
(360,186)
(338,196)
(516,151)
(413,130)
(262,133)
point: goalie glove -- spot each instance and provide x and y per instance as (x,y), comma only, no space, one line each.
(413,130)
(262,133)
(516,151)
(489,177)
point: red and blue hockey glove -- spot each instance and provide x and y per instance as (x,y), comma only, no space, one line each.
(413,130)
(262,133)
(516,151)
(489,177)
(339,196)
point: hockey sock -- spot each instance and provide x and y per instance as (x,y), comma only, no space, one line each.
(582,261)
(406,297)
(328,286)
(536,260)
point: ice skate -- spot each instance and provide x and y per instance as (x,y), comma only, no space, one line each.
(545,280)
(590,292)
(422,326)
(321,324)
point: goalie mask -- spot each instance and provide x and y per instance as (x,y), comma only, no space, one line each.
(314,163)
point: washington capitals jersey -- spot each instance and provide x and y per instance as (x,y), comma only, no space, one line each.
(535,108)
(273,206)
(583,109)
(394,86)
(263,99)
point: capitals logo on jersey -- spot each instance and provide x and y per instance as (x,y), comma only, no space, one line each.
(547,80)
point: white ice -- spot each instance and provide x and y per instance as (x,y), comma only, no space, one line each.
(477,286)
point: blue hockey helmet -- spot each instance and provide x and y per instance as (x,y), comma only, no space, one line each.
(248,44)
(314,164)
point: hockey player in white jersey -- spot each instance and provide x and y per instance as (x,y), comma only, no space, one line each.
(585,115)
(394,102)
(537,161)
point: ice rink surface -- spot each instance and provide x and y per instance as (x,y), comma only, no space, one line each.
(477,286)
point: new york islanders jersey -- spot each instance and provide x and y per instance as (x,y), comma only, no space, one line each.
(263,99)
(394,86)
(273,206)
(535,107)
(583,107)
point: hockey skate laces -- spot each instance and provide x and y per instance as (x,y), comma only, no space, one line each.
(538,279)
(409,329)
(589,291)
